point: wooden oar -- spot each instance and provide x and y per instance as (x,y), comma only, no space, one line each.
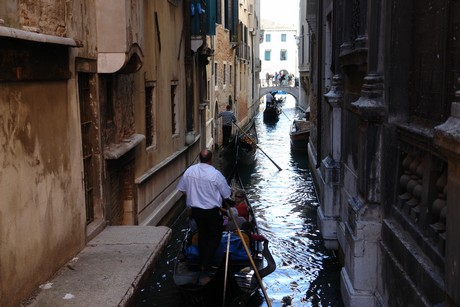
(285,115)
(226,267)
(256,271)
(255,143)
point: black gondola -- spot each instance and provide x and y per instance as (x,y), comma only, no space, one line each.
(246,149)
(233,281)
(243,147)
(272,110)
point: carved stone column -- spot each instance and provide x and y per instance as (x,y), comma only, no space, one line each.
(362,225)
(370,108)
(329,210)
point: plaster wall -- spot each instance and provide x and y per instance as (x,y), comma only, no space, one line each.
(42,212)
(164,66)
(36,16)
(42,207)
(158,166)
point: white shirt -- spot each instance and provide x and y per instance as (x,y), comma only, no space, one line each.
(268,97)
(204,186)
(227,118)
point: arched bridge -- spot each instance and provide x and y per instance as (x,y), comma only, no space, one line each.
(292,90)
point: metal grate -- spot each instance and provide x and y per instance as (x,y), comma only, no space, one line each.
(86,138)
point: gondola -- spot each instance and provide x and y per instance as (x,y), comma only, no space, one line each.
(246,149)
(242,148)
(299,134)
(272,111)
(232,281)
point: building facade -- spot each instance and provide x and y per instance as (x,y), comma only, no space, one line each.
(233,65)
(247,60)
(384,146)
(281,64)
(101,109)
(278,51)
(304,58)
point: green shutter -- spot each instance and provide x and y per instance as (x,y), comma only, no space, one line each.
(234,21)
(211,17)
(205,23)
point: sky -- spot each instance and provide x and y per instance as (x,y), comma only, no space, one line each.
(277,10)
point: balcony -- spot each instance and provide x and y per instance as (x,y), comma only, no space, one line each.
(421,203)
(119,27)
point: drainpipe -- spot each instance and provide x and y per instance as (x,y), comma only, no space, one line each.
(253,87)
(188,61)
(235,87)
(319,83)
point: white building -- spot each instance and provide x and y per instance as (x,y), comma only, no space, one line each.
(278,51)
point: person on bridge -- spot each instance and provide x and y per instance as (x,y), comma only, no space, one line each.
(282,78)
(227,120)
(276,79)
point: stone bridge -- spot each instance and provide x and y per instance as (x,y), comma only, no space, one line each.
(292,90)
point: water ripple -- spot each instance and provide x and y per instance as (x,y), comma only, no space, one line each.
(285,204)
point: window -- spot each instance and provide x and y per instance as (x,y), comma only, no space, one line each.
(283,37)
(268,38)
(283,55)
(225,74)
(218,12)
(216,75)
(109,109)
(303,56)
(230,75)
(174,109)
(267,55)
(150,129)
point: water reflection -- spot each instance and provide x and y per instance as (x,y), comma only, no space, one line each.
(285,204)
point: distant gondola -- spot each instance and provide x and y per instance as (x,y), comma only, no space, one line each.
(272,109)
(246,149)
(243,147)
(299,133)
(272,113)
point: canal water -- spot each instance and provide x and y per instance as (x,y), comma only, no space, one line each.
(285,205)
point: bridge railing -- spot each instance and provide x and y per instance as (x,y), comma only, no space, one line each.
(291,90)
(271,83)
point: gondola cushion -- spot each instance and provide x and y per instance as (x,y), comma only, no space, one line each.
(237,250)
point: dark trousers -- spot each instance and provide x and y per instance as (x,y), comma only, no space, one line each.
(209,224)
(226,133)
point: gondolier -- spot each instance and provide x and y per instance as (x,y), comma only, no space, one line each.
(227,120)
(205,188)
(269,99)
(241,261)
(272,108)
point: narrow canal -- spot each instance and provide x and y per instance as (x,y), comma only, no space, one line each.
(285,205)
